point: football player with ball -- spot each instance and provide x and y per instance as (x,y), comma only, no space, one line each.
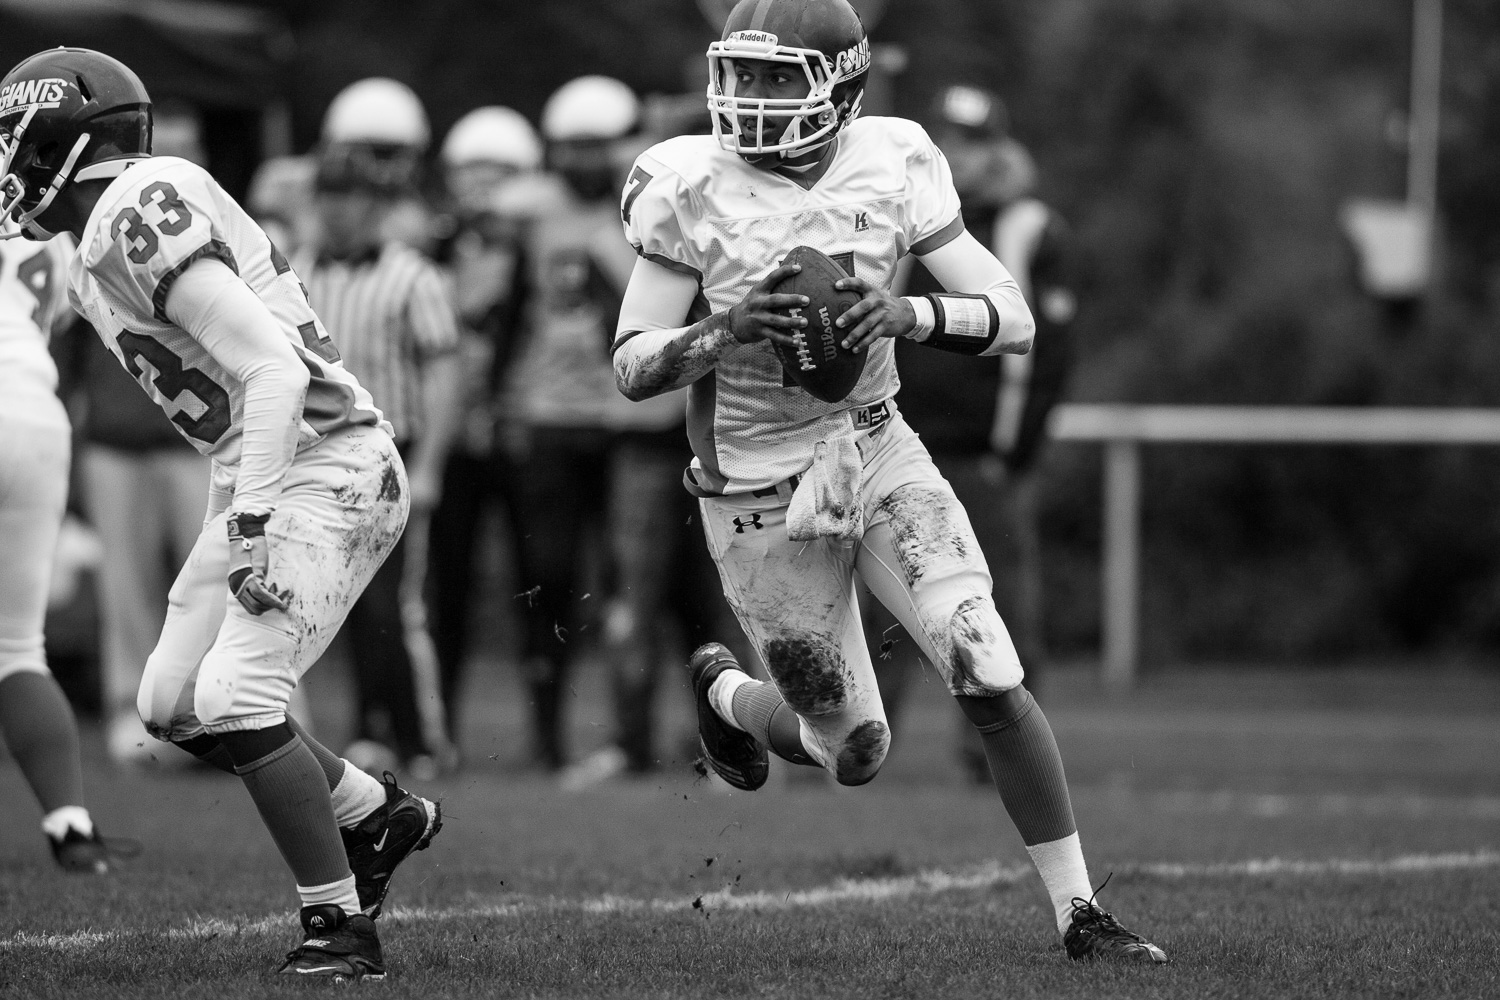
(803,481)
(308,493)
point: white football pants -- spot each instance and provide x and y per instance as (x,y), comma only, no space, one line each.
(34,447)
(219,668)
(797,604)
(148,509)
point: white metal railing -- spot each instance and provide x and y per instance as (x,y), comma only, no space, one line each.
(1124,428)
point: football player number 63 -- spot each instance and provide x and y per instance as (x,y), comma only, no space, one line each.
(142,239)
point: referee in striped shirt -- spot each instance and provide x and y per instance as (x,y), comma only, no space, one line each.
(389,311)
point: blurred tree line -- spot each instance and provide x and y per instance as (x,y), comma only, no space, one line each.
(1202,148)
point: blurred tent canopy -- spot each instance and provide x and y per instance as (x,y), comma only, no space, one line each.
(202,52)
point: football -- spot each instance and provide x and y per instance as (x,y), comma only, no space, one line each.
(818,363)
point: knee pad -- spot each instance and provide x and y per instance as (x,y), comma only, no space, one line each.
(159,710)
(862,752)
(997,712)
(984,658)
(212,702)
(810,673)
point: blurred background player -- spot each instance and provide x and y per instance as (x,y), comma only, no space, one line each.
(566,415)
(35,718)
(143,489)
(485,151)
(985,422)
(388,308)
(665,599)
(280,200)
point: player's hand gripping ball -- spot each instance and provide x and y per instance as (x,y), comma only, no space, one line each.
(816,359)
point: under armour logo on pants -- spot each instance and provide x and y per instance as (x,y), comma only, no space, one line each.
(740,524)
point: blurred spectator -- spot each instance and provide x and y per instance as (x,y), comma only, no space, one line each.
(388,310)
(383,121)
(143,488)
(281,201)
(667,598)
(565,413)
(985,424)
(486,150)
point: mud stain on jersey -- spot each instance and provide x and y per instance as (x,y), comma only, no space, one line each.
(927,527)
(390,485)
(809,670)
(863,752)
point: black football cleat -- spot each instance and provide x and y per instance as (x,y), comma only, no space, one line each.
(1095,933)
(384,839)
(337,947)
(734,755)
(91,855)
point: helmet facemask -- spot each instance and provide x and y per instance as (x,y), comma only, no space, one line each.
(18,212)
(783,127)
(20,161)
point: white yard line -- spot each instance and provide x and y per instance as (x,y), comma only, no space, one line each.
(930,883)
(1316,804)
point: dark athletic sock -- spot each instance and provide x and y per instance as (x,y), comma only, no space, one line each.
(290,789)
(760,711)
(332,764)
(42,735)
(1026,765)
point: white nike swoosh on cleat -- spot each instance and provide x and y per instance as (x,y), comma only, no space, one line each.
(380,844)
(323,968)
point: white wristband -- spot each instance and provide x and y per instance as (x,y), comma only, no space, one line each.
(926,317)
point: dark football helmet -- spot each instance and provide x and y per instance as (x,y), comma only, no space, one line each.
(65,115)
(825,38)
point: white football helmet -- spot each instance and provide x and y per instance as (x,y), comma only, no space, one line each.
(823,37)
(492,135)
(379,111)
(590,107)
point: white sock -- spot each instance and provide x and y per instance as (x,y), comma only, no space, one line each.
(355,796)
(721,694)
(340,894)
(1061,865)
(59,821)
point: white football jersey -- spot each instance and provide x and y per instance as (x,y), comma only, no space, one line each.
(31,294)
(695,208)
(152,222)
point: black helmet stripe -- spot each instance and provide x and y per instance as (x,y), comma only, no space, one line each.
(762,11)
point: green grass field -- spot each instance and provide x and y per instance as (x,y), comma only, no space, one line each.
(1280,833)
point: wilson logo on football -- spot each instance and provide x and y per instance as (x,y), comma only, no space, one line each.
(45,93)
(828,349)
